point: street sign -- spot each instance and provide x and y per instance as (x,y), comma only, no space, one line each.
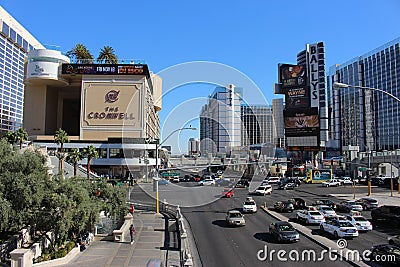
(362,169)
(170,174)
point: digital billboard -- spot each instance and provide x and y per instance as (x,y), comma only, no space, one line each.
(292,75)
(297,97)
(105,69)
(301,122)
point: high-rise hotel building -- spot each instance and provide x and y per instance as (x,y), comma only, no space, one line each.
(15,43)
(366,118)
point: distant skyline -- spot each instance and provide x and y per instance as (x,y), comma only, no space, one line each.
(252,38)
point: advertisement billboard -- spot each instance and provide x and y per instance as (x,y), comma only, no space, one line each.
(105,69)
(297,97)
(292,75)
(301,122)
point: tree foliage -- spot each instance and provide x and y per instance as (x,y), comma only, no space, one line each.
(81,54)
(107,55)
(90,152)
(21,136)
(68,207)
(74,157)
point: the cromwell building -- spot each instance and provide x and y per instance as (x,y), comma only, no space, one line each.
(113,107)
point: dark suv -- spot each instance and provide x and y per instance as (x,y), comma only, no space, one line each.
(388,213)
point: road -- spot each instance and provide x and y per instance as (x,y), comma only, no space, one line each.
(220,245)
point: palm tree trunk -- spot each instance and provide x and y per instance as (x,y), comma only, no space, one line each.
(88,169)
(75,167)
(20,145)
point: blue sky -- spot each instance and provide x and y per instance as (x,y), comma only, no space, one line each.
(252,36)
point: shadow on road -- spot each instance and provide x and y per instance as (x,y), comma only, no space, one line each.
(265,237)
(223,223)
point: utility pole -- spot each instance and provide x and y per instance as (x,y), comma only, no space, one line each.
(368,173)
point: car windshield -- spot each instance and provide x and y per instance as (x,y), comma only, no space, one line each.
(249,203)
(261,188)
(326,209)
(360,219)
(235,215)
(284,228)
(315,213)
(345,224)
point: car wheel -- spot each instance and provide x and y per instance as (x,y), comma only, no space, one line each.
(297,218)
(321,227)
(307,221)
(391,242)
(279,239)
(335,234)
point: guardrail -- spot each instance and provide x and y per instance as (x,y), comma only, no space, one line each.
(173,211)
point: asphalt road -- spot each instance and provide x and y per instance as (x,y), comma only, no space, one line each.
(220,245)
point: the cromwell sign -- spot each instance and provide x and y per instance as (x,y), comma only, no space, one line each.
(111,105)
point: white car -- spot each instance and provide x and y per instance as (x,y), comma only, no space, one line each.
(333,182)
(272,180)
(310,216)
(249,205)
(346,181)
(359,222)
(327,211)
(263,190)
(207,181)
(339,228)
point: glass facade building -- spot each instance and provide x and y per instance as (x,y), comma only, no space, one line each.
(15,43)
(365,118)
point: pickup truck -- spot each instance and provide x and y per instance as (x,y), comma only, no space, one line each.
(339,228)
(333,182)
(310,216)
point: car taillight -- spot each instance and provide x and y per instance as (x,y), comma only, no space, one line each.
(342,230)
(312,217)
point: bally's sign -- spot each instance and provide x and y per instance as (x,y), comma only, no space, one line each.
(313,75)
(105,106)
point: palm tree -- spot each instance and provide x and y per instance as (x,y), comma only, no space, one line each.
(81,54)
(90,153)
(75,156)
(108,55)
(21,136)
(11,137)
(61,137)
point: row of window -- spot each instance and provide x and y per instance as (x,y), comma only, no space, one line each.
(13,35)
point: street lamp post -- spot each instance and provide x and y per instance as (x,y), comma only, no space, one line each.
(157,178)
(337,85)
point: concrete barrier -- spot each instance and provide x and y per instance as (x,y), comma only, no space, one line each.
(119,234)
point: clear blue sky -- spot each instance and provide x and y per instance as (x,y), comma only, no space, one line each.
(252,36)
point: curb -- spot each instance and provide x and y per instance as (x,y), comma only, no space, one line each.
(283,218)
(192,244)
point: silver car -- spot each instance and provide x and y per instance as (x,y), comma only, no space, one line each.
(234,217)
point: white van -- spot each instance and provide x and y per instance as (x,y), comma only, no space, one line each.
(263,190)
(272,180)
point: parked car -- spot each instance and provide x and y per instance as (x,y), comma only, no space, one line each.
(385,251)
(394,240)
(330,183)
(284,231)
(339,228)
(207,181)
(359,222)
(387,213)
(298,203)
(345,181)
(235,218)
(249,205)
(326,202)
(284,206)
(263,190)
(368,203)
(327,211)
(228,193)
(348,205)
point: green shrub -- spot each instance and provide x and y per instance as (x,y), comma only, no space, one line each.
(70,245)
(61,253)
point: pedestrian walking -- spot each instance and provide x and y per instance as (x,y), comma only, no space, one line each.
(132,232)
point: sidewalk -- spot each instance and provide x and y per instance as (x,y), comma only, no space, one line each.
(150,243)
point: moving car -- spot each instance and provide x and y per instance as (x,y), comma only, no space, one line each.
(249,205)
(327,211)
(207,181)
(348,206)
(298,203)
(163,182)
(242,184)
(175,179)
(326,202)
(368,203)
(345,181)
(310,216)
(287,186)
(359,222)
(235,218)
(263,190)
(394,240)
(284,206)
(330,183)
(186,178)
(391,254)
(284,231)
(228,193)
(339,228)
(388,213)
(272,180)
(197,178)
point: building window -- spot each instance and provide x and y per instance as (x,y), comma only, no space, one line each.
(116,153)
